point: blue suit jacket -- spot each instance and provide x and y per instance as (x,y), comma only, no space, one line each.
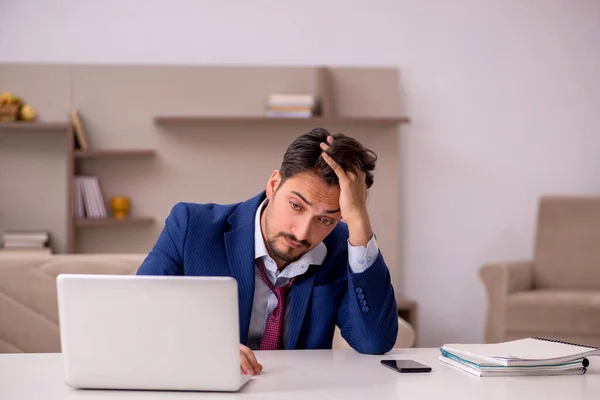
(218,240)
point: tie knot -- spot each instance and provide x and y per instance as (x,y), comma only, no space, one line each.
(280,290)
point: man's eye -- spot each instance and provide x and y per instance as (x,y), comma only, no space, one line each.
(295,206)
(325,221)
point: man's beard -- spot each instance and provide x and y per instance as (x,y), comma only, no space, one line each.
(289,255)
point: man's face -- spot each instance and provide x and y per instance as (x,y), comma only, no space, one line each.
(301,212)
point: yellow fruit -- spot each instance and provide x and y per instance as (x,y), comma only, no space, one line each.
(8,98)
(28,113)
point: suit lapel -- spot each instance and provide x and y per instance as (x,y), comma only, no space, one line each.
(299,298)
(240,256)
(239,247)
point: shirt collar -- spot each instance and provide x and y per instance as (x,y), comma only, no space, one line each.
(316,256)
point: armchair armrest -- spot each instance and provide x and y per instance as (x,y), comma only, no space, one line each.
(501,279)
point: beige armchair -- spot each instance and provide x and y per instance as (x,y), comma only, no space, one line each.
(556,294)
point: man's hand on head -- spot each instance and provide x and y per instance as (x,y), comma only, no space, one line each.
(353,199)
(249,365)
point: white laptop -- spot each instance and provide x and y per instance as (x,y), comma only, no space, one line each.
(150,332)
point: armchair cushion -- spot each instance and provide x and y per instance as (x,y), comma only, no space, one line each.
(501,279)
(567,254)
(28,303)
(554,311)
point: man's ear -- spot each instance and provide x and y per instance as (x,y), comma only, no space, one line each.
(273,183)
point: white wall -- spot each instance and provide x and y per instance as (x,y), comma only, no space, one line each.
(504,97)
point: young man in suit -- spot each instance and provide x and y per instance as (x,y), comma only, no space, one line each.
(300,269)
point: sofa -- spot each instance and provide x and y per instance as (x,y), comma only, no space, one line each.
(28,301)
(556,293)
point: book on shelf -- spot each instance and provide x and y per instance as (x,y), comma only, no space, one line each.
(289,114)
(89,200)
(25,242)
(522,357)
(290,106)
(81,141)
(26,236)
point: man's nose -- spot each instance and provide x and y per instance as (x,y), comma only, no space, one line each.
(301,229)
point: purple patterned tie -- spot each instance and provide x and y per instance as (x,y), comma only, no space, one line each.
(273,336)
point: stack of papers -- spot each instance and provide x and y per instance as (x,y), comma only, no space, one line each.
(531,356)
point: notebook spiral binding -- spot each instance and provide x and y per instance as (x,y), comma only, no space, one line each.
(585,361)
(563,342)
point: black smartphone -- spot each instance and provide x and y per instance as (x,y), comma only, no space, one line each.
(406,365)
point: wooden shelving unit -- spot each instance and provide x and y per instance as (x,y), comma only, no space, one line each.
(165,120)
(344,98)
(34,126)
(100,154)
(325,114)
(74,156)
(111,222)
(80,156)
(65,128)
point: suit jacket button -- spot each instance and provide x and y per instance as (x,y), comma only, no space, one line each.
(358,290)
(360,296)
(362,303)
(365,308)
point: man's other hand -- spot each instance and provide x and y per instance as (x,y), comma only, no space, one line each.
(248,363)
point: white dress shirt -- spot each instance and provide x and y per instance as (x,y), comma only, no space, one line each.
(359,257)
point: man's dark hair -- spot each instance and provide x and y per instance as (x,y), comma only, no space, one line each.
(304,154)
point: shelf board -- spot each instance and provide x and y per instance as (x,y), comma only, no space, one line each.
(34,126)
(261,120)
(111,222)
(114,153)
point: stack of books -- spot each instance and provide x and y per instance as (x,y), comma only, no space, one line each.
(531,356)
(89,200)
(290,106)
(25,242)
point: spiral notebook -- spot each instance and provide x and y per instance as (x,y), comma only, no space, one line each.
(571,368)
(522,352)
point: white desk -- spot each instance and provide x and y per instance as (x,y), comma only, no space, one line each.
(315,375)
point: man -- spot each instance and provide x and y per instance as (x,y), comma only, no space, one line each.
(300,271)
